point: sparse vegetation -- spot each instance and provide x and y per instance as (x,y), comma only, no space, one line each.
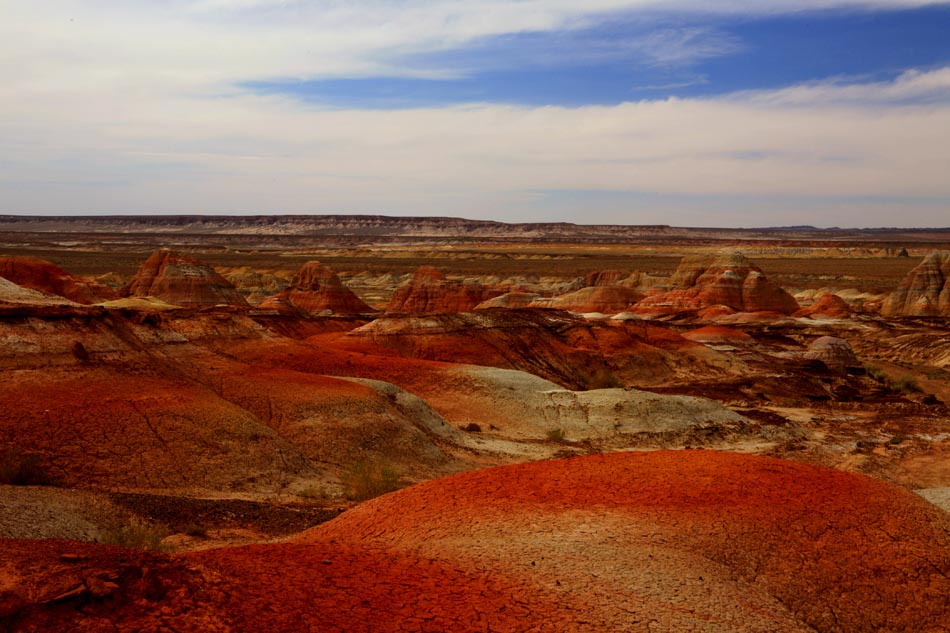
(135,533)
(471,427)
(195,530)
(313,491)
(24,469)
(906,384)
(370,478)
(556,435)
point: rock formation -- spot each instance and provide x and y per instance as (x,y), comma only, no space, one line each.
(833,352)
(604,299)
(925,291)
(316,289)
(12,294)
(509,300)
(829,305)
(729,280)
(39,274)
(182,280)
(430,292)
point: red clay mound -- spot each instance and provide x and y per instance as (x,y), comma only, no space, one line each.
(829,305)
(39,274)
(675,541)
(182,280)
(100,428)
(316,289)
(729,280)
(430,292)
(925,291)
(695,540)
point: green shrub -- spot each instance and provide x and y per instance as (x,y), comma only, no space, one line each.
(135,533)
(906,384)
(370,478)
(24,469)
(556,435)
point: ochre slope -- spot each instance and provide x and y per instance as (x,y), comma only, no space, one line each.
(837,551)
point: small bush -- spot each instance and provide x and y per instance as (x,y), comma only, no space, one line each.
(136,534)
(195,530)
(313,492)
(472,427)
(906,384)
(370,478)
(24,469)
(556,435)
(876,372)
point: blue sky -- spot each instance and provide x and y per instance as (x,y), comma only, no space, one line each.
(628,56)
(684,112)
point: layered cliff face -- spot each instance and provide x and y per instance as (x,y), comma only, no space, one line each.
(182,280)
(39,274)
(603,299)
(430,292)
(316,289)
(925,291)
(729,280)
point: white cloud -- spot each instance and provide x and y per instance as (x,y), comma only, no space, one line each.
(124,107)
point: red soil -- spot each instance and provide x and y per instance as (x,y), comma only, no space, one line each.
(720,335)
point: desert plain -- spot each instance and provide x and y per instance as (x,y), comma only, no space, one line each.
(342,423)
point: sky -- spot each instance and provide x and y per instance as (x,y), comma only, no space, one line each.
(681,112)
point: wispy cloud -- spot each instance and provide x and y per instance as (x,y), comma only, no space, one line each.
(138,98)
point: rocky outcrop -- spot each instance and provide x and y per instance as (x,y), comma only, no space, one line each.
(316,289)
(429,292)
(833,352)
(729,280)
(12,294)
(603,299)
(182,280)
(925,291)
(828,305)
(510,301)
(39,274)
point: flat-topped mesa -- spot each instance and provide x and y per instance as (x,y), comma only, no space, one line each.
(430,292)
(316,289)
(183,281)
(729,280)
(925,291)
(39,274)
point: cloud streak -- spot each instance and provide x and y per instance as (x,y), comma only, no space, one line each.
(135,109)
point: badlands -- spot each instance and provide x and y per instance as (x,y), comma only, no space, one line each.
(421,424)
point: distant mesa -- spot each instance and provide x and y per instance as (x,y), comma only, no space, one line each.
(828,305)
(183,281)
(729,280)
(39,274)
(316,289)
(429,292)
(925,291)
